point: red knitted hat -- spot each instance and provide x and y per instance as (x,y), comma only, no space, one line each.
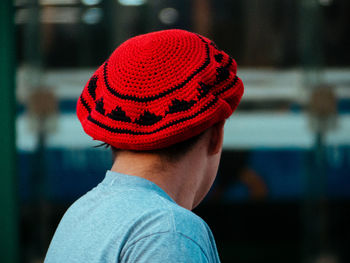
(158,89)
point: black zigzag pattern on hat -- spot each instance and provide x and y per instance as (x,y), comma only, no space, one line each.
(127,131)
(180,105)
(118,115)
(92,86)
(222,74)
(218,57)
(203,90)
(123,131)
(148,118)
(100,106)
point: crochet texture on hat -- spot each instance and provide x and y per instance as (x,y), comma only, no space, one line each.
(158,89)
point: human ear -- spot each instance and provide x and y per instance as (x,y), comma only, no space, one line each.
(216,138)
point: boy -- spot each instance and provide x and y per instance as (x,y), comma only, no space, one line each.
(160,101)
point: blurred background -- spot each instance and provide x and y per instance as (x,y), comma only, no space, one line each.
(283,189)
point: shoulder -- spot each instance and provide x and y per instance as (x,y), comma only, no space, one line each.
(154,213)
(173,217)
(189,224)
(169,228)
(165,247)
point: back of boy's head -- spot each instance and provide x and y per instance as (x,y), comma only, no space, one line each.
(159,90)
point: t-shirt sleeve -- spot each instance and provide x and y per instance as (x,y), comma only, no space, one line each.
(170,247)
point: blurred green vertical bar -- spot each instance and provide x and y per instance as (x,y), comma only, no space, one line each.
(316,240)
(8,196)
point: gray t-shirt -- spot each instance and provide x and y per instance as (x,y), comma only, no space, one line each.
(130,219)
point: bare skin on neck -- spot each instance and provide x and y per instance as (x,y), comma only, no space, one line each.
(186,180)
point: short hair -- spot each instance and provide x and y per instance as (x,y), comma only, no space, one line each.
(170,154)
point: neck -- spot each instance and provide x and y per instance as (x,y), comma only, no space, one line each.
(180,180)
